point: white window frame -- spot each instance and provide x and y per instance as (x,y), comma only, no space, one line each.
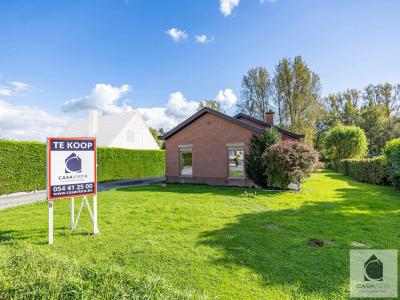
(239,146)
(185,149)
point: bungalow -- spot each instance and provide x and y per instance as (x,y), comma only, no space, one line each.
(209,147)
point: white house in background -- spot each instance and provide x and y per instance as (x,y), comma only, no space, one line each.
(121,130)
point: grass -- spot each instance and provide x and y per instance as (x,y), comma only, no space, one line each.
(183,242)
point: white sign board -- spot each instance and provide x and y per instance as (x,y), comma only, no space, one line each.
(71,167)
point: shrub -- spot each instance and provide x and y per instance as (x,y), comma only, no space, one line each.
(371,170)
(320,165)
(254,164)
(345,142)
(392,152)
(23,165)
(289,162)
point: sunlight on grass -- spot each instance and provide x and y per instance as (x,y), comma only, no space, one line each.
(185,241)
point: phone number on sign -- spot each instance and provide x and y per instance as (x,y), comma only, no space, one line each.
(72,189)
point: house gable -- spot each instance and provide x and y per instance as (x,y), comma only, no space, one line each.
(215,113)
(209,138)
(134,135)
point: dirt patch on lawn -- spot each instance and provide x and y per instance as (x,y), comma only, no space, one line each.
(319,243)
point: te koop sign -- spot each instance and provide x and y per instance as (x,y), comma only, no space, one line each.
(71,167)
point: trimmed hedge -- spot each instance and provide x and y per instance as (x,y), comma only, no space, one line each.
(370,170)
(23,165)
(392,152)
(115,163)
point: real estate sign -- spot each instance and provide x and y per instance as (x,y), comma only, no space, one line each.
(71,167)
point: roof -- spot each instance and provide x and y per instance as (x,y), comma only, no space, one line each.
(265,124)
(234,120)
(109,126)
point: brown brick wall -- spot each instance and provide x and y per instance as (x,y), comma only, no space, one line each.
(209,135)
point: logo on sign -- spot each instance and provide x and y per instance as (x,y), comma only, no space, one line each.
(73,164)
(373,269)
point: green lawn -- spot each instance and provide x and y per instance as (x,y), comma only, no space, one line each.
(183,241)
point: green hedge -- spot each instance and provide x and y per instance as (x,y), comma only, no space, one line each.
(23,165)
(370,170)
(392,152)
(114,163)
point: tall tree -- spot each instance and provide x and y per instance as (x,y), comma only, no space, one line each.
(386,95)
(343,107)
(297,96)
(374,122)
(213,104)
(256,93)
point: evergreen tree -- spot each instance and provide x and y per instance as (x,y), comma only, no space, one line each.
(255,167)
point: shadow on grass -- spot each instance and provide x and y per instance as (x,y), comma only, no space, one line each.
(361,212)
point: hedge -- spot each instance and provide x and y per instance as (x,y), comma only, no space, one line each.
(370,170)
(23,165)
(114,163)
(392,152)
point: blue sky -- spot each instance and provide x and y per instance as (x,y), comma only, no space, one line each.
(63,49)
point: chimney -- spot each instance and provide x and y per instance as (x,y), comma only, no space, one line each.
(93,122)
(269,117)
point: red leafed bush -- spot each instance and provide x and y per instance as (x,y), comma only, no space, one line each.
(289,162)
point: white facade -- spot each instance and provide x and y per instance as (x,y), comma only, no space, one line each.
(124,130)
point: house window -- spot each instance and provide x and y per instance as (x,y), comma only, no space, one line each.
(130,136)
(185,160)
(236,160)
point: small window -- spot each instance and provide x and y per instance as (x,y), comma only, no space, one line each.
(185,162)
(236,163)
(130,136)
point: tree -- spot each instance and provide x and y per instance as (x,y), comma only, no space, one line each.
(256,94)
(375,123)
(385,95)
(156,133)
(289,162)
(213,104)
(338,109)
(253,162)
(297,96)
(343,142)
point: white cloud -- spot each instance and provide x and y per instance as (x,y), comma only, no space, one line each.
(270,1)
(21,86)
(24,122)
(180,108)
(203,39)
(14,87)
(6,91)
(157,118)
(226,6)
(103,97)
(177,110)
(226,97)
(176,34)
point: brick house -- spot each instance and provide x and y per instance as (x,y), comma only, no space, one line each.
(209,147)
